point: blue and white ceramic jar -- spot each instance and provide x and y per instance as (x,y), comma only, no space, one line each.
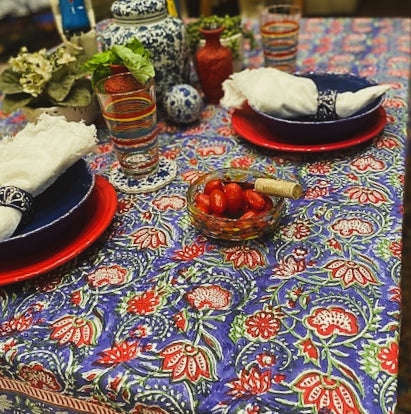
(163,35)
(183,104)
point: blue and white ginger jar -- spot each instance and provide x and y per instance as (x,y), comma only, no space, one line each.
(163,35)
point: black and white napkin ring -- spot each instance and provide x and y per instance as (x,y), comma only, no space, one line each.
(326,106)
(11,196)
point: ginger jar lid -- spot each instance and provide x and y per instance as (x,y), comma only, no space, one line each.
(139,9)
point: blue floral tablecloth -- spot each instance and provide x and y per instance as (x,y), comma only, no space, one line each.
(156,318)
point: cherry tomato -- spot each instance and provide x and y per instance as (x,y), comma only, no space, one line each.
(202,202)
(255,200)
(235,199)
(213,185)
(248,214)
(203,208)
(218,202)
(268,203)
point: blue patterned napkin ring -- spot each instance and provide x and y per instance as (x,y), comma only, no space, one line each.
(326,105)
(11,196)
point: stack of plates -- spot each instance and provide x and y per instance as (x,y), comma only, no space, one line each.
(67,218)
(302,135)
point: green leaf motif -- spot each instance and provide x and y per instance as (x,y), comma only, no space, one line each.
(237,328)
(383,249)
(369,361)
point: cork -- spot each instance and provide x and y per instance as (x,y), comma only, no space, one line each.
(278,187)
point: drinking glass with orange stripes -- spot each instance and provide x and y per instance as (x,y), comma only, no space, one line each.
(130,113)
(279,28)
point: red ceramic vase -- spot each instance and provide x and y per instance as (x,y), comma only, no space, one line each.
(214,64)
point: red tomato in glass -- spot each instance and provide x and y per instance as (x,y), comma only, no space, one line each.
(218,202)
(248,214)
(202,202)
(235,199)
(213,185)
(255,200)
(268,203)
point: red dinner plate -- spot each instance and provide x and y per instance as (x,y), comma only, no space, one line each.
(100,209)
(249,125)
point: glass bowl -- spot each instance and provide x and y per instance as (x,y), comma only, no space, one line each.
(233,229)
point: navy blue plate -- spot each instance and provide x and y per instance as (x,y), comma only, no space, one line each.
(327,131)
(55,210)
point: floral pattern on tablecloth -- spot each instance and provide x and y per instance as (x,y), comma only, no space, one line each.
(156,318)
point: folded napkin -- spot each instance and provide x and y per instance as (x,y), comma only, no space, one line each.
(36,156)
(288,96)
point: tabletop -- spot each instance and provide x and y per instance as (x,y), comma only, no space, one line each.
(155,318)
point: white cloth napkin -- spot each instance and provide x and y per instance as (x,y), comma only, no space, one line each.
(288,96)
(37,155)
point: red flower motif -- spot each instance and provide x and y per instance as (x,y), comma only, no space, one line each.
(297,230)
(289,266)
(39,377)
(120,352)
(174,202)
(191,175)
(149,238)
(333,320)
(211,150)
(396,103)
(244,256)
(387,142)
(320,167)
(140,331)
(308,349)
(352,226)
(388,356)
(242,162)
(249,383)
(396,248)
(321,392)
(396,294)
(107,276)
(147,409)
(350,273)
(114,383)
(188,253)
(278,378)
(18,324)
(73,329)
(335,244)
(368,163)
(186,361)
(180,320)
(263,324)
(47,284)
(146,215)
(208,297)
(144,303)
(225,131)
(265,359)
(76,297)
(364,195)
(124,206)
(9,344)
(316,192)
(171,154)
